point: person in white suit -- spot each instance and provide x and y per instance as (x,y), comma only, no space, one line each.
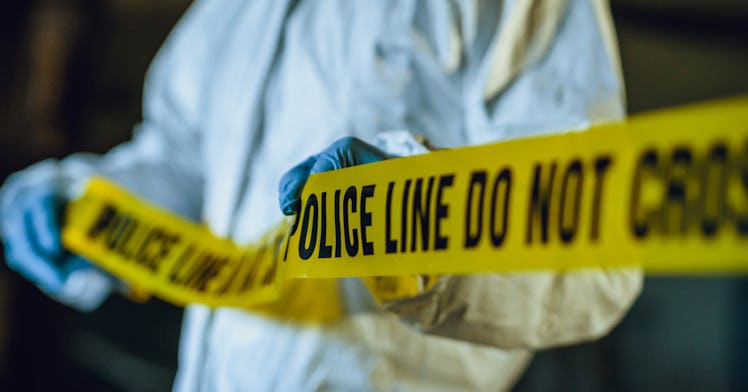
(242,92)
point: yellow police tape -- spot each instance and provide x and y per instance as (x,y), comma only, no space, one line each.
(667,191)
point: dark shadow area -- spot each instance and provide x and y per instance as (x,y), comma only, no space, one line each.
(72,73)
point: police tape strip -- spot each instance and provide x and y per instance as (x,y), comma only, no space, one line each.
(158,252)
(667,191)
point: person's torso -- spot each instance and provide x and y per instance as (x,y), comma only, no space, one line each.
(320,71)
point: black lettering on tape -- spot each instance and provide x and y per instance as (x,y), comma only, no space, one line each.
(742,216)
(442,212)
(195,272)
(646,165)
(404,216)
(209,272)
(503,180)
(540,200)
(103,221)
(269,277)
(338,241)
(675,211)
(181,263)
(390,244)
(306,252)
(145,255)
(602,164)
(325,250)
(472,237)
(421,214)
(713,194)
(351,235)
(249,278)
(232,275)
(574,172)
(121,228)
(367,247)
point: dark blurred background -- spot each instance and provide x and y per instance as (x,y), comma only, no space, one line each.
(71,73)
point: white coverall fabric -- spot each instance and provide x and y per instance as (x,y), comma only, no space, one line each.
(242,91)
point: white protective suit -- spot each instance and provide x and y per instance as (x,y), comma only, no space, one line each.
(244,90)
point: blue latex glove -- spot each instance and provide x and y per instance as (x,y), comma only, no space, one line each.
(345,152)
(33,245)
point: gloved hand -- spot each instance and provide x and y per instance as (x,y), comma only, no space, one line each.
(345,152)
(31,225)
